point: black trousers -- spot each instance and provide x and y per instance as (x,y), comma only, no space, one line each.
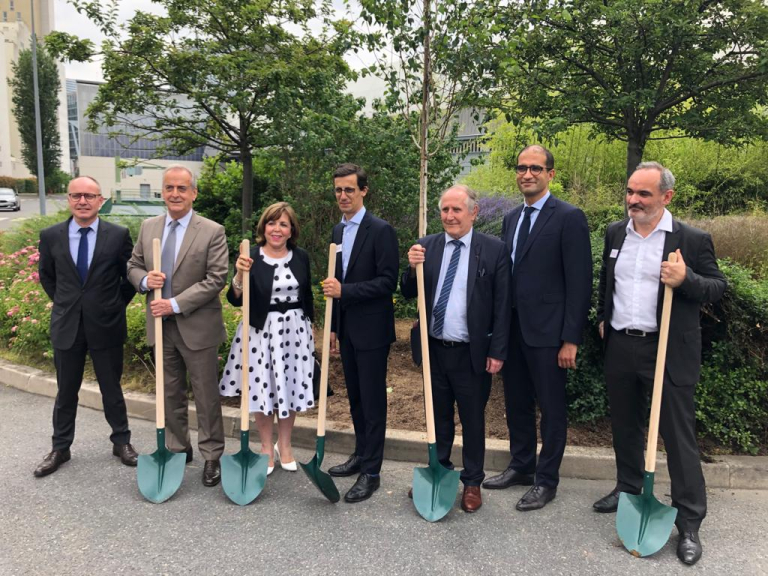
(530,375)
(70,364)
(454,382)
(365,373)
(630,364)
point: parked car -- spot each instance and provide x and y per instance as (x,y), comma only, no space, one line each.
(9,199)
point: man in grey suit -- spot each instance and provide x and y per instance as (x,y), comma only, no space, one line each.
(194,264)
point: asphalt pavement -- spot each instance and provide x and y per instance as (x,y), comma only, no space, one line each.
(30,207)
(89,518)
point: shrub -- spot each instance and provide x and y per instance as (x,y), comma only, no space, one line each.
(21,185)
(742,239)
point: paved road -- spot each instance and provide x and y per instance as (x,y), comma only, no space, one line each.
(89,518)
(30,206)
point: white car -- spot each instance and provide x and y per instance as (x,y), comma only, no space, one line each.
(9,200)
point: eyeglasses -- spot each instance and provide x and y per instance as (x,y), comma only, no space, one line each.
(535,169)
(347,191)
(77,196)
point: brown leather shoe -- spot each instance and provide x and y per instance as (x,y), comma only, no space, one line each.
(51,462)
(127,454)
(471,499)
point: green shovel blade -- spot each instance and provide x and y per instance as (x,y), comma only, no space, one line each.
(642,522)
(243,475)
(160,474)
(434,488)
(319,478)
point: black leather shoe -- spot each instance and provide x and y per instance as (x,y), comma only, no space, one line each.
(211,473)
(127,454)
(510,477)
(51,462)
(608,503)
(689,547)
(349,468)
(537,497)
(363,489)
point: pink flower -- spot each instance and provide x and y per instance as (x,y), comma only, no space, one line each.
(14,328)
(33,259)
(26,319)
(13,311)
(34,320)
(49,306)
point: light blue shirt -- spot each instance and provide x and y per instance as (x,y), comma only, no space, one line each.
(455,322)
(349,234)
(180,231)
(538,205)
(74,239)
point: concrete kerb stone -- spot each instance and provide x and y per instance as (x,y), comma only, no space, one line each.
(741,472)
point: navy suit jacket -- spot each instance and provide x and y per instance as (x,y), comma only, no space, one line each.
(365,312)
(552,281)
(488,310)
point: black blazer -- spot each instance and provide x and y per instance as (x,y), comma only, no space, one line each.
(261,279)
(703,283)
(552,283)
(365,311)
(101,300)
(488,310)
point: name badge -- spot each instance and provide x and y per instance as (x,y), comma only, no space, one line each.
(338,248)
(614,253)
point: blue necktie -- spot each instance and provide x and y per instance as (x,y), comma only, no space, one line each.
(82,255)
(522,235)
(445,292)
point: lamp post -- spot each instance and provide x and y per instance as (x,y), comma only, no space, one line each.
(38,127)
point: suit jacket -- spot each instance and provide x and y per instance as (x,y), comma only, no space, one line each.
(261,279)
(488,310)
(199,275)
(106,290)
(552,281)
(365,311)
(703,283)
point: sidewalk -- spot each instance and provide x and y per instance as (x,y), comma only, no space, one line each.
(743,472)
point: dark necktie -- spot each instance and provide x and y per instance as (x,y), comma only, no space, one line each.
(168,259)
(522,235)
(82,254)
(445,292)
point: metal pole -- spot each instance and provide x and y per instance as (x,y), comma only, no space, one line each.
(38,127)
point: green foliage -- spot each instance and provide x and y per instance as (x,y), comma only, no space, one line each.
(24,110)
(21,185)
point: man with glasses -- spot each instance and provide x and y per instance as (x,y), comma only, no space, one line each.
(83,270)
(363,325)
(550,256)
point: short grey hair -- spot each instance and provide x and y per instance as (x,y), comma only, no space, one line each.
(667,180)
(471,196)
(91,178)
(173,167)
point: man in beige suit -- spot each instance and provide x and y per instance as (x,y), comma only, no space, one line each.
(194,264)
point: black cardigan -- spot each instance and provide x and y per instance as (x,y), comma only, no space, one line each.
(261,278)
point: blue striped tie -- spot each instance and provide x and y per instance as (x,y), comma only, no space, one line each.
(445,292)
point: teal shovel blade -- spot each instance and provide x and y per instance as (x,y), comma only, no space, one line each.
(160,474)
(243,475)
(434,488)
(642,522)
(322,480)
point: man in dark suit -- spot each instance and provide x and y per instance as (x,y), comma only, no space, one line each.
(364,322)
(83,270)
(466,285)
(548,243)
(632,279)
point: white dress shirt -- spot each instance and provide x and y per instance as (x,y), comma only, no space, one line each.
(455,322)
(74,239)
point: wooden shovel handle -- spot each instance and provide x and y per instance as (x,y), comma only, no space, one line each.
(159,375)
(245,250)
(425,365)
(658,378)
(326,346)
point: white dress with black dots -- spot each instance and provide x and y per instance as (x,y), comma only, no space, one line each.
(281,361)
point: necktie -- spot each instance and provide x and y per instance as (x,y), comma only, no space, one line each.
(82,254)
(445,292)
(168,259)
(522,235)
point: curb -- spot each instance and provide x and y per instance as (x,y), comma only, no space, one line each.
(741,472)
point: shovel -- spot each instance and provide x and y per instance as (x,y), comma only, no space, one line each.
(159,474)
(244,474)
(312,469)
(642,522)
(434,487)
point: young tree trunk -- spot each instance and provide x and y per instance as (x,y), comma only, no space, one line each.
(424,123)
(247,159)
(635,147)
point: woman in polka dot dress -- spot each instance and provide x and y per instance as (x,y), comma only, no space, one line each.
(281,341)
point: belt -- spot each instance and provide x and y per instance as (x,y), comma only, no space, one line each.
(283,307)
(637,333)
(448,343)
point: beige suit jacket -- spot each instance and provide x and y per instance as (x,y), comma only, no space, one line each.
(199,276)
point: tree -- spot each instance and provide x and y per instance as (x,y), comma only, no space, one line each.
(234,75)
(638,70)
(24,108)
